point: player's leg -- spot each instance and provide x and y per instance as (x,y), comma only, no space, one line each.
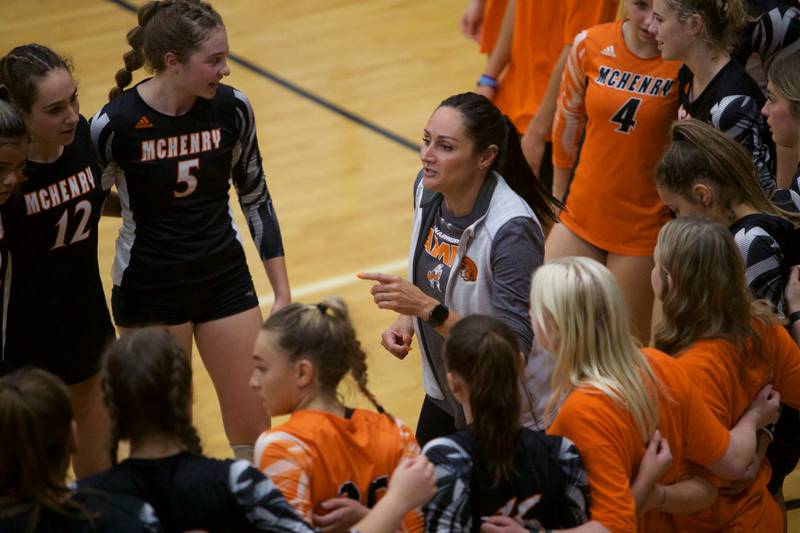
(226,348)
(633,275)
(561,242)
(94,427)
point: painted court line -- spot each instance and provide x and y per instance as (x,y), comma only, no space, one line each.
(336,282)
(304,93)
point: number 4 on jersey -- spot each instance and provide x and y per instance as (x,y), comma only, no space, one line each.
(626,115)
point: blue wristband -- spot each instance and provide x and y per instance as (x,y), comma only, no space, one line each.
(488,81)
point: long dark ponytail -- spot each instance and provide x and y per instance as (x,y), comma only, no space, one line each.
(483,351)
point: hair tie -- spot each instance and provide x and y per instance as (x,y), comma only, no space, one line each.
(325,309)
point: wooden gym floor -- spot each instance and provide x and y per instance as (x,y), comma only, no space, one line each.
(341,91)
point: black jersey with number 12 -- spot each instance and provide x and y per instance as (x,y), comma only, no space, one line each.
(55,312)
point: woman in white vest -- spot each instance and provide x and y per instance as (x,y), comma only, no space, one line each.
(477,237)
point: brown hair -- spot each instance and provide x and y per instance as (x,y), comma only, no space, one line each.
(35,412)
(709,297)
(722,19)
(784,73)
(21,70)
(324,334)
(701,153)
(147,386)
(12,126)
(177,26)
(483,351)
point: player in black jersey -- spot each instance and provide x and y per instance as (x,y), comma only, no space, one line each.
(38,435)
(54,310)
(713,87)
(148,387)
(14,140)
(174,143)
(494,468)
(783,117)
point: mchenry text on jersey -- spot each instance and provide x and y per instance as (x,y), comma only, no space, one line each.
(181,145)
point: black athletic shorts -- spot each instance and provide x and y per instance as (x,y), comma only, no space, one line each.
(69,344)
(218,297)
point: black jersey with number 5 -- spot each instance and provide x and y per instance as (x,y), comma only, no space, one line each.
(173,174)
(55,312)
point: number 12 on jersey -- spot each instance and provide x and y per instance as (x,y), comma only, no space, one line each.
(625,116)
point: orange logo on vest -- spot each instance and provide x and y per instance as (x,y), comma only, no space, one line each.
(468,270)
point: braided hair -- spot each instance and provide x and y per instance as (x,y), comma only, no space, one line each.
(147,386)
(324,334)
(176,26)
(21,70)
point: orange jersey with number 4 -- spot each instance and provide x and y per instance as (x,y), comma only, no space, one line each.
(317,456)
(624,104)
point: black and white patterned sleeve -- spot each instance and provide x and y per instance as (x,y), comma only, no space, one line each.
(762,260)
(739,117)
(789,199)
(247,175)
(776,32)
(102,134)
(262,503)
(576,484)
(449,509)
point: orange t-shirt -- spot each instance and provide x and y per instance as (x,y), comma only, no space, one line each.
(316,456)
(541,30)
(612,448)
(625,104)
(493,12)
(728,386)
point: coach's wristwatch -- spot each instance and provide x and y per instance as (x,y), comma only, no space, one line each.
(438,315)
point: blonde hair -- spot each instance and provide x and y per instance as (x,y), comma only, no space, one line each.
(323,333)
(708,295)
(579,304)
(784,73)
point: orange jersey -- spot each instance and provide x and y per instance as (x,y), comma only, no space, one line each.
(625,105)
(493,12)
(612,448)
(541,30)
(728,387)
(317,456)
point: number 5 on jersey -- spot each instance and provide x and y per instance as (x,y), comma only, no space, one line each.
(626,115)
(186,176)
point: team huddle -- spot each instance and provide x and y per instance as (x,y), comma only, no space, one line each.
(603,282)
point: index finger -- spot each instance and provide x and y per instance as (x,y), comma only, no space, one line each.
(794,273)
(376,276)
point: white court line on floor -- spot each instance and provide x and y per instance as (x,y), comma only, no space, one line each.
(328,284)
